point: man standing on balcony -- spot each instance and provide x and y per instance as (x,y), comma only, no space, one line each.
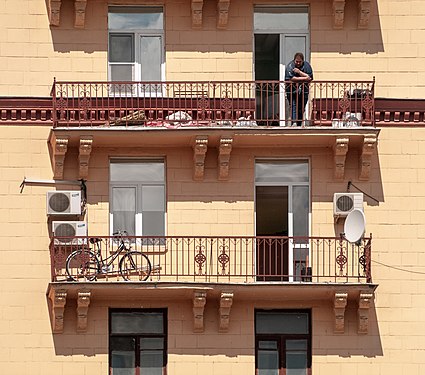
(299,73)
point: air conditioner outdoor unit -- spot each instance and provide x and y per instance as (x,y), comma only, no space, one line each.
(64,202)
(69,229)
(344,203)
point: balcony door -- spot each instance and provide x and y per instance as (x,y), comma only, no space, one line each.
(282,206)
(279,32)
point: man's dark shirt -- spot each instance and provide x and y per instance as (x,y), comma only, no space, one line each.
(306,68)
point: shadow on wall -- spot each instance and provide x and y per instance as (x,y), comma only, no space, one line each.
(350,37)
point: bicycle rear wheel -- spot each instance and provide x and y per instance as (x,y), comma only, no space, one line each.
(82,264)
(135,266)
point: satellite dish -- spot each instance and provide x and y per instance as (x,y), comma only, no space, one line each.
(354,225)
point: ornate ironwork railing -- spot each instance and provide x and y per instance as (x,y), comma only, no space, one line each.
(218,259)
(244,103)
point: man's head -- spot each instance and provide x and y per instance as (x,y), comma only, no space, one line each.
(299,60)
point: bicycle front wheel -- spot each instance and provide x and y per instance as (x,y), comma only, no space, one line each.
(135,266)
(82,264)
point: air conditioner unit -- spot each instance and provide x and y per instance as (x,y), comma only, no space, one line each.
(64,202)
(344,203)
(69,229)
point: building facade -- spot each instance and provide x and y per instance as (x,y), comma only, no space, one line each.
(163,211)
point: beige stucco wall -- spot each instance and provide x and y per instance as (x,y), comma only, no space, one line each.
(394,345)
(32,53)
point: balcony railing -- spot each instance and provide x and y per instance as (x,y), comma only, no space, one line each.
(246,104)
(216,259)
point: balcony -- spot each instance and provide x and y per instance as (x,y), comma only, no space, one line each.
(255,269)
(212,104)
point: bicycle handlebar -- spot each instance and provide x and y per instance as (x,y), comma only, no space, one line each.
(120,233)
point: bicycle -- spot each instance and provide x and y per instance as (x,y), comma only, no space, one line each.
(89,264)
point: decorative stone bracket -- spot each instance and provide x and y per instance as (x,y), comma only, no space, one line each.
(364,14)
(226,301)
(338,11)
(222,13)
(338,7)
(83,302)
(54,6)
(369,146)
(363,312)
(224,151)
(340,304)
(58,298)
(84,155)
(199,152)
(199,301)
(196,9)
(340,153)
(60,147)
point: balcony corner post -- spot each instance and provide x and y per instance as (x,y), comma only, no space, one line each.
(83,302)
(340,303)
(365,300)
(199,301)
(58,299)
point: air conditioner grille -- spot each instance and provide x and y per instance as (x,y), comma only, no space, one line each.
(65,230)
(344,203)
(59,202)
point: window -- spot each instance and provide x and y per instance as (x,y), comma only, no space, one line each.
(137,342)
(137,190)
(282,342)
(135,44)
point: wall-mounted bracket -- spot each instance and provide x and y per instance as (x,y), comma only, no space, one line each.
(54,8)
(83,302)
(60,147)
(199,301)
(84,155)
(226,301)
(364,14)
(224,151)
(79,13)
(369,146)
(340,303)
(199,152)
(58,299)
(222,13)
(340,154)
(196,9)
(363,312)
(338,8)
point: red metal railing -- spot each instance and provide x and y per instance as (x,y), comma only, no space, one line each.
(225,259)
(245,103)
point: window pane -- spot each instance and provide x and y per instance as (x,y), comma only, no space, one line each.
(124,209)
(121,48)
(153,198)
(296,344)
(127,18)
(122,73)
(152,343)
(137,322)
(296,363)
(148,172)
(150,59)
(122,355)
(267,344)
(281,322)
(153,223)
(281,18)
(282,171)
(268,362)
(300,208)
(151,355)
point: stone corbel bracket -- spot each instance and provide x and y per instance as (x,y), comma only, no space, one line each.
(54,9)
(85,150)
(363,312)
(226,301)
(199,152)
(199,301)
(340,303)
(364,14)
(196,9)
(224,151)
(60,147)
(58,298)
(369,146)
(79,13)
(338,8)
(340,154)
(83,302)
(222,13)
